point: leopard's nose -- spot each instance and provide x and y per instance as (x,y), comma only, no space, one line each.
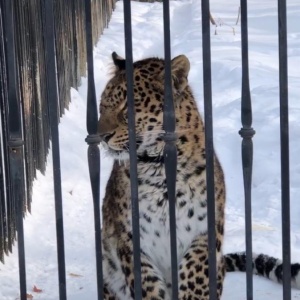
(106,136)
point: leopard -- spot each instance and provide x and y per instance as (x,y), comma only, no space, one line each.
(191,191)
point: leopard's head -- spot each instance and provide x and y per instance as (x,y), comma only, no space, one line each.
(148,75)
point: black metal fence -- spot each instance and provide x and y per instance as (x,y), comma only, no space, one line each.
(42,55)
(170,155)
(22,78)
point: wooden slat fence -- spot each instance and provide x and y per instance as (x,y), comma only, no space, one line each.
(28,56)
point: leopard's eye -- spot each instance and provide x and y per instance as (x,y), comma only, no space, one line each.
(123,114)
(124,108)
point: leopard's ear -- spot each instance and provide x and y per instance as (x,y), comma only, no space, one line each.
(180,66)
(119,61)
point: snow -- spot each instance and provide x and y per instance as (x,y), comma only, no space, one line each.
(147,30)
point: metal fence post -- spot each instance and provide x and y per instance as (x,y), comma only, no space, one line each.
(15,141)
(206,49)
(170,149)
(247,133)
(4,170)
(132,152)
(284,143)
(53,104)
(93,140)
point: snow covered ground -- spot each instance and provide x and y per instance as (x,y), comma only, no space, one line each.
(226,74)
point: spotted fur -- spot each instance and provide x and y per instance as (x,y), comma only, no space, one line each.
(263,265)
(191,201)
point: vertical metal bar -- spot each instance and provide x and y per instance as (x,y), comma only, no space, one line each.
(3,186)
(15,140)
(209,150)
(170,150)
(14,125)
(132,152)
(284,141)
(247,147)
(4,191)
(53,103)
(75,45)
(16,161)
(93,141)
(9,205)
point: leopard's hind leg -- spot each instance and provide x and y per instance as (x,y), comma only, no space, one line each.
(193,272)
(107,294)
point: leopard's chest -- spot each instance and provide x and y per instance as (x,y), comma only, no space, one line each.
(154,219)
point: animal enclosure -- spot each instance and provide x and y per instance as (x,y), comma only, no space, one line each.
(26,126)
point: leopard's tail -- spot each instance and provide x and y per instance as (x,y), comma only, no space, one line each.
(264,265)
